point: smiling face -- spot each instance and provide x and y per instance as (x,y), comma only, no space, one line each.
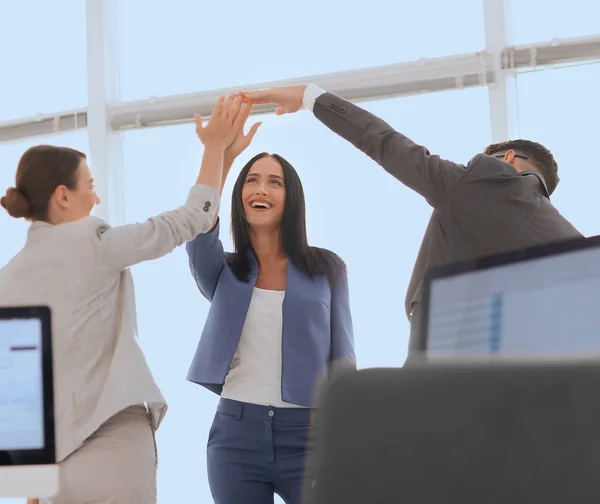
(263,193)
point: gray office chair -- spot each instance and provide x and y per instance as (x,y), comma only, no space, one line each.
(524,432)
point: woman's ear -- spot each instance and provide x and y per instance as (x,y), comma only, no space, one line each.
(61,196)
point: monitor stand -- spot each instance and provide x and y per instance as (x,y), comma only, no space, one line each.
(29,481)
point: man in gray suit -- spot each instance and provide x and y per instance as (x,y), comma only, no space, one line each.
(499,201)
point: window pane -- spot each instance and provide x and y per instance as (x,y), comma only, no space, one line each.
(531,21)
(353,208)
(43,54)
(564,117)
(188,46)
(13,231)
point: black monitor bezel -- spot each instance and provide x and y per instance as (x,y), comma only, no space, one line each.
(47,454)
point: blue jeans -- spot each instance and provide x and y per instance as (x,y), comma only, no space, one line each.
(257,451)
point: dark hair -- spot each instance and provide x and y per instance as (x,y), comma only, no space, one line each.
(40,171)
(310,260)
(542,158)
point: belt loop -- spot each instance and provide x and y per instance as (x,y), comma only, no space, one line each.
(239,412)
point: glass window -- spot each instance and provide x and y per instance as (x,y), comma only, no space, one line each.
(530,21)
(560,109)
(186,46)
(14,231)
(43,54)
(353,208)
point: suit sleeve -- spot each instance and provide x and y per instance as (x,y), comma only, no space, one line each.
(342,333)
(412,164)
(122,246)
(207,260)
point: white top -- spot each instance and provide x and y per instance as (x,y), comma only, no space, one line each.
(255,372)
(80,270)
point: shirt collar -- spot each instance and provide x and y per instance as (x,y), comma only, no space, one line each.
(540,178)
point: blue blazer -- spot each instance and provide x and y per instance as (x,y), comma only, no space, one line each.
(317,325)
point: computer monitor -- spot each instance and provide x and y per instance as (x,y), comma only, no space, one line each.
(27,444)
(537,302)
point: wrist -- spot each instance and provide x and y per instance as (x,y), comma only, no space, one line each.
(211,169)
(228,159)
(215,149)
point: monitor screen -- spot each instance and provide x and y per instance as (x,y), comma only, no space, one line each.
(545,306)
(21,385)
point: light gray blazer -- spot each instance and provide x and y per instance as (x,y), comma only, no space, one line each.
(80,269)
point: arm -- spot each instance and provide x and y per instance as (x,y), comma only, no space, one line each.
(206,258)
(240,144)
(411,164)
(227,164)
(342,333)
(124,246)
(205,251)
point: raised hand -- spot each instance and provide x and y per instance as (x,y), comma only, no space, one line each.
(223,125)
(241,141)
(288,98)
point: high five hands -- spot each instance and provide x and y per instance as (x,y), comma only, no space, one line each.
(225,127)
(288,99)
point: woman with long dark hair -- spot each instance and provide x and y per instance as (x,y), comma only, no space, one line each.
(279,316)
(107,405)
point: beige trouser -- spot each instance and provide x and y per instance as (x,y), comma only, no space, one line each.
(116,465)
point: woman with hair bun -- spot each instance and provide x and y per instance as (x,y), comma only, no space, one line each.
(107,405)
(16,203)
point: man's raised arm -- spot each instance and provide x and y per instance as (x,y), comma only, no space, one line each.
(411,164)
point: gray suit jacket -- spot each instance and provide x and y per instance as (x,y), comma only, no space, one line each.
(482,208)
(80,269)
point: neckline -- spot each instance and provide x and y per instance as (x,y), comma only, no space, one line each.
(270,290)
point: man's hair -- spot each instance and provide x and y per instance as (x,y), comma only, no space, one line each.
(541,158)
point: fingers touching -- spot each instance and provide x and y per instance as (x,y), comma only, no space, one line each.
(228,105)
(258,97)
(244,113)
(219,106)
(233,110)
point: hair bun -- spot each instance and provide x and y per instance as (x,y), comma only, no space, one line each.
(16,203)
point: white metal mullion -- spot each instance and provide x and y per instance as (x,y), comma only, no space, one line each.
(105,145)
(496,67)
(501,118)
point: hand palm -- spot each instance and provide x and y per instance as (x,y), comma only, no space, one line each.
(241,141)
